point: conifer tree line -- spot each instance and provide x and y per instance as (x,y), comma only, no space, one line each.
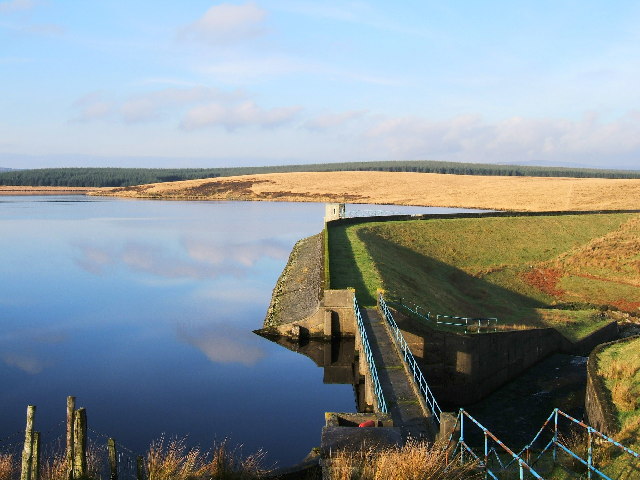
(122,177)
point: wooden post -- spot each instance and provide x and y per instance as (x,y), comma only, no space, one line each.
(140,468)
(113,459)
(27,451)
(71,408)
(80,443)
(35,457)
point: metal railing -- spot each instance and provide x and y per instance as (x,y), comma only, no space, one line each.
(492,454)
(410,360)
(470,324)
(498,458)
(558,444)
(377,388)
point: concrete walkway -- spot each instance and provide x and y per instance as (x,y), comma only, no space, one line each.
(399,393)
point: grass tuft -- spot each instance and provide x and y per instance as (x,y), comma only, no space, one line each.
(413,461)
(7,466)
(172,460)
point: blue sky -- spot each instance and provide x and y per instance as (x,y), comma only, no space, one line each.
(202,83)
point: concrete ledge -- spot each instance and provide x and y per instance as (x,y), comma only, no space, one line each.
(342,433)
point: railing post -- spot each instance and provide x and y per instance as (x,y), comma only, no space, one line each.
(35,454)
(27,451)
(461,438)
(589,452)
(140,474)
(486,455)
(555,436)
(113,459)
(80,443)
(71,407)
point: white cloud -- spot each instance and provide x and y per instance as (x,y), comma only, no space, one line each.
(93,106)
(333,120)
(196,107)
(517,139)
(151,106)
(16,5)
(234,116)
(227,23)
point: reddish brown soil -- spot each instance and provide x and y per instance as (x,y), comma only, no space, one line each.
(545,280)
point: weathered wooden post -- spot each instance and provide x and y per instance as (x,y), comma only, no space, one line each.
(35,457)
(140,468)
(71,407)
(27,451)
(80,443)
(113,459)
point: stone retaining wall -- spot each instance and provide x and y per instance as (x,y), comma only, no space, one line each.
(599,407)
(464,368)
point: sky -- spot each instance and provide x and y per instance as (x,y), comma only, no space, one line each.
(210,84)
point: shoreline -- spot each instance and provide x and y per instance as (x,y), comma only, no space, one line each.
(29,190)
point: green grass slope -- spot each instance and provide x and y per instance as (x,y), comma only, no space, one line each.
(561,271)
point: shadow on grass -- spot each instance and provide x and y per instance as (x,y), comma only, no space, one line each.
(437,286)
(343,267)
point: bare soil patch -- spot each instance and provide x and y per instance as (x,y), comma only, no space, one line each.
(406,188)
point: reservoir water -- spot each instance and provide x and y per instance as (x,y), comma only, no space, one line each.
(144,311)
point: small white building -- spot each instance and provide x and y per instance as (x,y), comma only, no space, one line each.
(333,211)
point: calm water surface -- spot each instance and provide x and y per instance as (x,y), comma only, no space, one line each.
(144,311)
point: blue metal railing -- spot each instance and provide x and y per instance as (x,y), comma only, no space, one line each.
(489,455)
(556,443)
(492,464)
(377,388)
(470,324)
(418,377)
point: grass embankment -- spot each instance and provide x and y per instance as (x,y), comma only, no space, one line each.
(619,365)
(540,271)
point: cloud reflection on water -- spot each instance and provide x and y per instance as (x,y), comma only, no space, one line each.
(223,343)
(198,259)
(27,363)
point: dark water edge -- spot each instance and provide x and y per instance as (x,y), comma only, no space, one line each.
(515,412)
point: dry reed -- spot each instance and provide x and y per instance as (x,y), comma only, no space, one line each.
(618,369)
(6,466)
(624,397)
(172,460)
(413,461)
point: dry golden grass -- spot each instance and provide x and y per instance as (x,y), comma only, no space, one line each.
(413,461)
(619,369)
(7,466)
(615,255)
(171,460)
(406,188)
(623,397)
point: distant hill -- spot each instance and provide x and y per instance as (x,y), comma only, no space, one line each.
(3,169)
(123,177)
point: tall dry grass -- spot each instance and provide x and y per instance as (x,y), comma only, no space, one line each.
(172,460)
(413,461)
(7,466)
(619,369)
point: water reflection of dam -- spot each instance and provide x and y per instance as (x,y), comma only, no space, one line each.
(337,358)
